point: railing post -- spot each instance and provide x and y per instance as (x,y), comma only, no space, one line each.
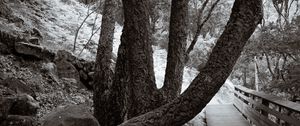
(278,119)
(288,113)
(266,103)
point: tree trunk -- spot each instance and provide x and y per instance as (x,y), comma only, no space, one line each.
(245,76)
(105,112)
(176,49)
(244,18)
(134,68)
(256,82)
(269,65)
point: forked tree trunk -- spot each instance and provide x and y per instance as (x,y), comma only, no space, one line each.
(176,49)
(107,111)
(245,16)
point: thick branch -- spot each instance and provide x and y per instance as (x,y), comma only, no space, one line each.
(134,68)
(176,49)
(244,18)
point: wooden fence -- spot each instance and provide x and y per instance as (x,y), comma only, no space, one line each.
(266,110)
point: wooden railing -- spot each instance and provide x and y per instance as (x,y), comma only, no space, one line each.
(266,110)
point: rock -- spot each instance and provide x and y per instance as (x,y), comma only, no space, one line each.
(71,115)
(34,40)
(66,70)
(34,50)
(24,105)
(91,74)
(4,48)
(49,68)
(78,64)
(4,91)
(63,54)
(18,86)
(29,49)
(91,84)
(16,120)
(83,75)
(35,32)
(2,76)
(5,105)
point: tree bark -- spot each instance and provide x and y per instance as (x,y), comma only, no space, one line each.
(246,15)
(134,68)
(176,49)
(106,112)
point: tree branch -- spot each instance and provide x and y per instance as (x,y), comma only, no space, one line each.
(200,26)
(269,65)
(176,49)
(94,31)
(78,29)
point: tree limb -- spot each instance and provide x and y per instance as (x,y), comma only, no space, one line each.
(94,31)
(80,26)
(269,65)
(200,26)
(176,50)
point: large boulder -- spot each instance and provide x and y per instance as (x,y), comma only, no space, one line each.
(18,86)
(23,105)
(33,50)
(69,66)
(65,68)
(20,106)
(70,115)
